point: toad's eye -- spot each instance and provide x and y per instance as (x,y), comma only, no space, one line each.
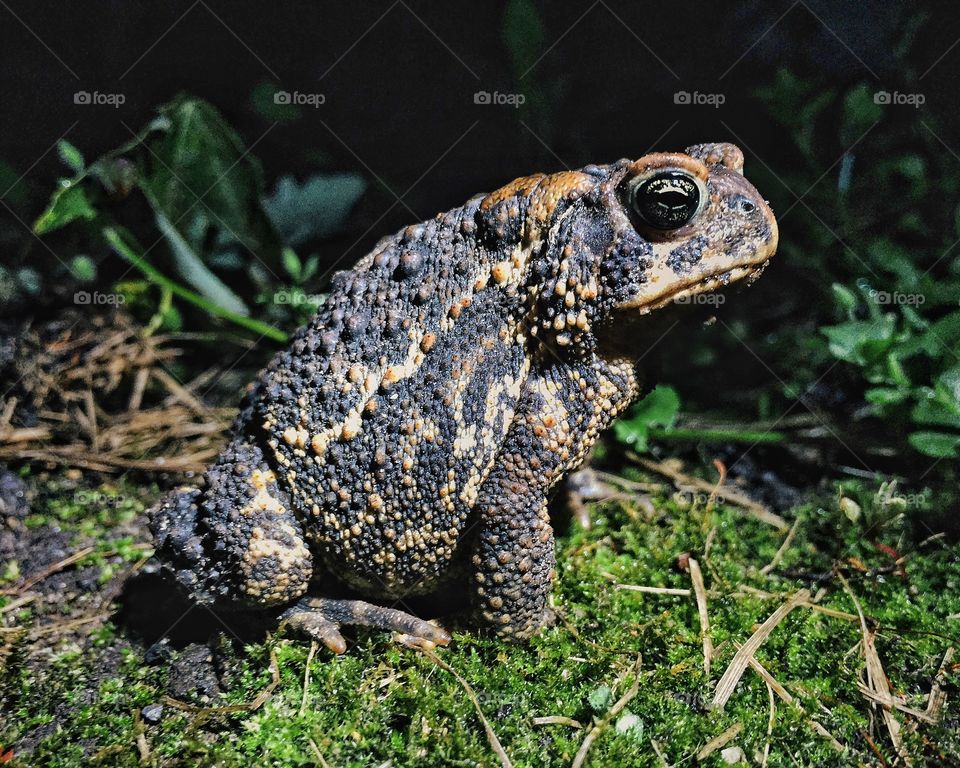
(666,201)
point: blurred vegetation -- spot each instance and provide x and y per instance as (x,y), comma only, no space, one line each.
(228,246)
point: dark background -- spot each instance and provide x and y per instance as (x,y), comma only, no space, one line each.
(399,80)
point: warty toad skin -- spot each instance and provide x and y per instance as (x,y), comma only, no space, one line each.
(409,438)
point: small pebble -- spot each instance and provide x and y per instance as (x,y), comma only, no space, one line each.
(732,755)
(152,713)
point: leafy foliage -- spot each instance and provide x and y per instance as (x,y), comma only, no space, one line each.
(229,243)
(883,235)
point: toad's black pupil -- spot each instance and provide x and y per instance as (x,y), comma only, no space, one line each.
(666,201)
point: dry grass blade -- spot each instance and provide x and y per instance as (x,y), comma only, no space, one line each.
(557,720)
(488,729)
(654,590)
(18,603)
(615,710)
(48,571)
(104,400)
(700,590)
(62,627)
(742,657)
(753,508)
(771,721)
(317,753)
(720,741)
(787,698)
(877,681)
(894,702)
(258,701)
(938,698)
(306,677)
(143,748)
(778,556)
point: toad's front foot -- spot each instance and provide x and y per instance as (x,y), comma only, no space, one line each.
(321,619)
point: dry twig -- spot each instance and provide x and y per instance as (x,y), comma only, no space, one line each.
(754,508)
(700,590)
(47,572)
(494,742)
(746,652)
(877,681)
(622,702)
(719,741)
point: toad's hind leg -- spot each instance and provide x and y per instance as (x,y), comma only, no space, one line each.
(237,541)
(321,619)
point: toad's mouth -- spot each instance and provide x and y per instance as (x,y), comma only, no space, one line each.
(687,292)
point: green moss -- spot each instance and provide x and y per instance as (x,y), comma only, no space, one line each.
(380,702)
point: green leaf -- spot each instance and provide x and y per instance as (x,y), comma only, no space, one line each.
(939,445)
(13,187)
(861,342)
(191,267)
(886,396)
(68,203)
(523,33)
(600,698)
(658,408)
(318,208)
(83,268)
(291,263)
(860,111)
(71,156)
(29,280)
(155,276)
(846,298)
(198,175)
(309,268)
(940,406)
(264,101)
(947,387)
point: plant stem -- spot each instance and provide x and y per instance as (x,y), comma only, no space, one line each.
(264,329)
(717,435)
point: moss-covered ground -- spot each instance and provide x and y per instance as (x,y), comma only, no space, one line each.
(81,687)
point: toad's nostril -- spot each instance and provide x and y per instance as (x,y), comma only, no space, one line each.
(745,205)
